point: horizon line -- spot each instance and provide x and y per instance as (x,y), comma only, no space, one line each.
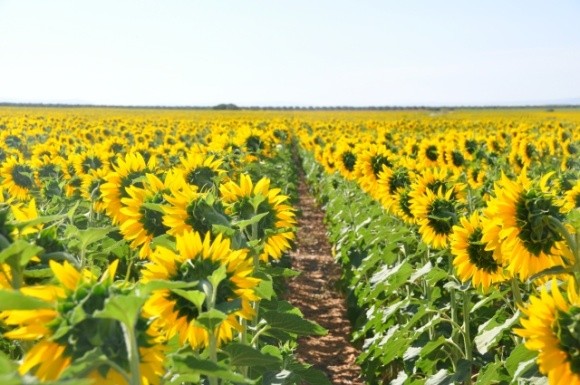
(234,107)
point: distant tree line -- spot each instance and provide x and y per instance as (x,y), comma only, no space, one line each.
(233,107)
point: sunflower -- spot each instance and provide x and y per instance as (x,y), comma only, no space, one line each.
(329,159)
(347,159)
(436,214)
(477,175)
(190,210)
(401,206)
(552,328)
(389,181)
(49,172)
(528,152)
(430,153)
(437,179)
(570,163)
(201,170)
(89,161)
(472,260)
(371,162)
(454,158)
(90,188)
(69,327)
(129,171)
(50,149)
(571,199)
(23,213)
(519,218)
(246,200)
(115,145)
(48,167)
(471,146)
(18,178)
(144,211)
(194,262)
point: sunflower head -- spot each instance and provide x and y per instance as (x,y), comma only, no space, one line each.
(522,218)
(274,227)
(73,328)
(551,326)
(18,178)
(402,205)
(534,209)
(201,170)
(188,209)
(143,209)
(472,259)
(436,215)
(571,199)
(195,262)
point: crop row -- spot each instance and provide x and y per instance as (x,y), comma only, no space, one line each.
(459,242)
(144,250)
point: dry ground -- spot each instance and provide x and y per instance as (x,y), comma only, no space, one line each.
(314,292)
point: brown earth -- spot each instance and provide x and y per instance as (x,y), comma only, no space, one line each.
(314,292)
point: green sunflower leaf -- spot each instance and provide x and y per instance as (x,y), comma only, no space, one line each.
(492,374)
(83,238)
(244,355)
(211,318)
(21,225)
(154,207)
(265,288)
(196,297)
(520,358)
(554,270)
(188,365)
(163,241)
(242,224)
(217,277)
(160,284)
(123,308)
(229,307)
(15,300)
(492,331)
(292,323)
(22,249)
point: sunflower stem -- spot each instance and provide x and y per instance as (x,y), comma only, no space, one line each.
(517,294)
(467,332)
(133,353)
(211,300)
(260,332)
(129,267)
(427,292)
(453,301)
(213,355)
(577,258)
(4,243)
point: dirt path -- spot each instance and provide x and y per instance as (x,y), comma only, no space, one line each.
(314,292)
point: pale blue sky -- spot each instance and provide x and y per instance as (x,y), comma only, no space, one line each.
(299,52)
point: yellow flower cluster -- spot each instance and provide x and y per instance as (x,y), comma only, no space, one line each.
(492,191)
(475,186)
(175,177)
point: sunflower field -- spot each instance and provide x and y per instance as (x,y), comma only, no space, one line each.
(459,240)
(150,246)
(146,247)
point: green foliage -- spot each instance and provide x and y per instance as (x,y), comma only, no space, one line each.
(407,309)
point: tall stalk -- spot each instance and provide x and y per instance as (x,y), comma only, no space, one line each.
(467,332)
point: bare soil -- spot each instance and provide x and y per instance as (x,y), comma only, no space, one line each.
(315,292)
